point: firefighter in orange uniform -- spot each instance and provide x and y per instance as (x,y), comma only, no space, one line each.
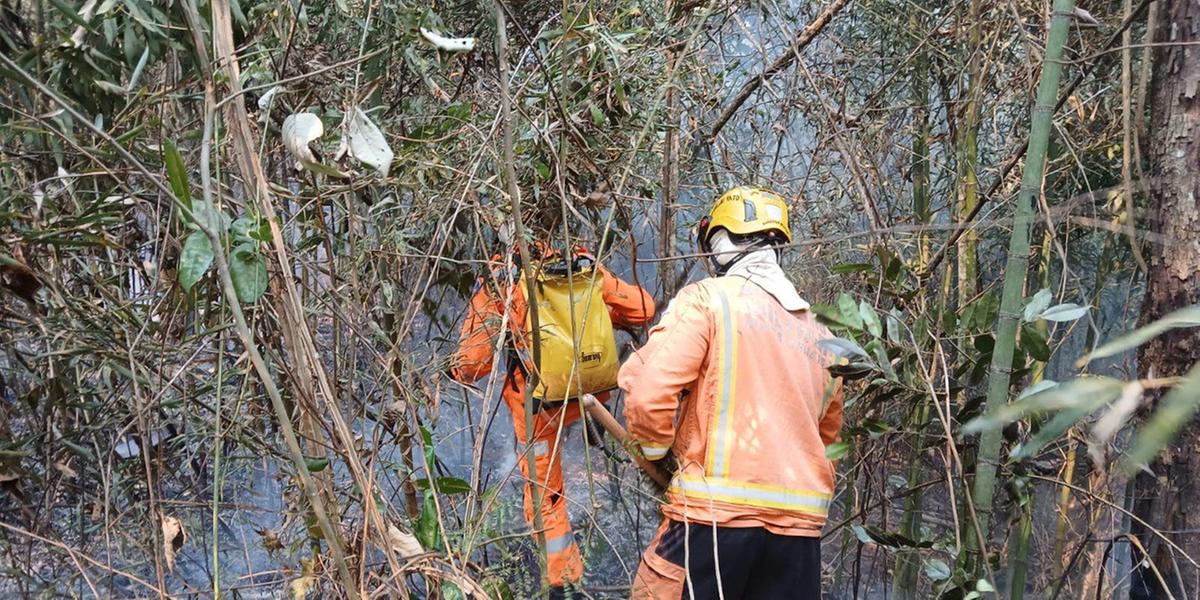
(628,306)
(733,384)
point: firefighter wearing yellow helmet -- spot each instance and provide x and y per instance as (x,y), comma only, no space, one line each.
(750,217)
(732,387)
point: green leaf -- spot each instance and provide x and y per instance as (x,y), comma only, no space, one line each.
(895,326)
(1038,303)
(316,465)
(427,530)
(852,371)
(451,591)
(235,8)
(875,347)
(829,315)
(875,428)
(1053,429)
(869,533)
(843,348)
(497,588)
(194,259)
(248,270)
(1175,410)
(1064,312)
(597,116)
(849,311)
(845,268)
(143,19)
(984,586)
(837,450)
(70,13)
(1033,341)
(137,71)
(1040,386)
(109,87)
(82,451)
(1085,391)
(936,569)
(203,212)
(176,174)
(452,485)
(247,229)
(860,532)
(870,318)
(1184,317)
(444,485)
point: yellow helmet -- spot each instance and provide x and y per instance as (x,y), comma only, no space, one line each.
(747,211)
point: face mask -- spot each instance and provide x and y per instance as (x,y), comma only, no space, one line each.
(726,251)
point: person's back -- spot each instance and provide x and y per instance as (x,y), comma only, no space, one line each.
(626,305)
(737,357)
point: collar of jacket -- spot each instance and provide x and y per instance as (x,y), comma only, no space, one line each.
(762,269)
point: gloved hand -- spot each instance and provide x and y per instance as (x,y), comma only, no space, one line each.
(667,465)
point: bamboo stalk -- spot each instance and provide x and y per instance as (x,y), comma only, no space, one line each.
(514,197)
(1000,370)
(905,585)
(1020,542)
(968,258)
(908,561)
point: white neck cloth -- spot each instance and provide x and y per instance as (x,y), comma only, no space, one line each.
(760,266)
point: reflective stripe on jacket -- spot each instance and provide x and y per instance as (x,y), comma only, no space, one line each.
(737,387)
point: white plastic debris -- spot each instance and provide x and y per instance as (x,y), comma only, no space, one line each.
(448,44)
(298,130)
(264,101)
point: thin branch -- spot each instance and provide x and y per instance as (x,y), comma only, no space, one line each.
(803,39)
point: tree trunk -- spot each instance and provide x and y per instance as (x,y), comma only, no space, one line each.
(668,277)
(1166,501)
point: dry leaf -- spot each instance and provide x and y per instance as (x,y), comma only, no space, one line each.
(1084,19)
(365,143)
(269,540)
(174,535)
(403,543)
(299,130)
(301,585)
(66,469)
(393,411)
(1113,419)
(9,473)
(596,200)
(18,278)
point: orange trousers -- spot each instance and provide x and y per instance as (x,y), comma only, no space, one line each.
(564,564)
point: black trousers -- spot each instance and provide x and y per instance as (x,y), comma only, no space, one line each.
(750,563)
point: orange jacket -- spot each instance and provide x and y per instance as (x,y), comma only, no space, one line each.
(757,408)
(628,305)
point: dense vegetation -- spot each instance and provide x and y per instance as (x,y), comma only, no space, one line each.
(239,239)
